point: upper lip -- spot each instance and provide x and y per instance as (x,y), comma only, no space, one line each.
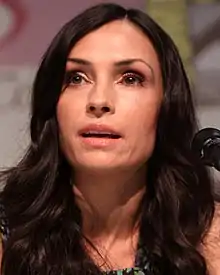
(99,128)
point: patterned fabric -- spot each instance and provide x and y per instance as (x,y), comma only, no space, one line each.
(126,271)
(4,231)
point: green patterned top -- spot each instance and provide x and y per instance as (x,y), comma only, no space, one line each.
(131,271)
(141,266)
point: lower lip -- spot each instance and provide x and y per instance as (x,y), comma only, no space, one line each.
(100,142)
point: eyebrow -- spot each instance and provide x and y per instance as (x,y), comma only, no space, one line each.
(120,63)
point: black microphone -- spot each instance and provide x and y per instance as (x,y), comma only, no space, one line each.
(206,145)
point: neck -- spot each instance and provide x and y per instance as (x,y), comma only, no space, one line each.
(109,203)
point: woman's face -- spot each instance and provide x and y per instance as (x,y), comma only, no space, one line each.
(108,112)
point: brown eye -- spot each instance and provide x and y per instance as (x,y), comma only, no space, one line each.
(133,79)
(75,78)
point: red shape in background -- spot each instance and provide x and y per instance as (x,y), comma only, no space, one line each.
(20,16)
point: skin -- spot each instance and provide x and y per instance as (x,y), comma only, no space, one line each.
(110,181)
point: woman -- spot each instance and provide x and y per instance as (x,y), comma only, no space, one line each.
(108,183)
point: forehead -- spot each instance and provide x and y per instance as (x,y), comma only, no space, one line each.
(114,41)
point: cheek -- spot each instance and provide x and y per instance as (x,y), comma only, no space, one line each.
(142,125)
(63,118)
(141,114)
(66,118)
(68,112)
(145,128)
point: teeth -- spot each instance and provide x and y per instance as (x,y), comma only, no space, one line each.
(100,134)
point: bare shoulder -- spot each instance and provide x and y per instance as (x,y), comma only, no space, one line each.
(211,246)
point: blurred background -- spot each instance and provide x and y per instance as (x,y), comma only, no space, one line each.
(27,27)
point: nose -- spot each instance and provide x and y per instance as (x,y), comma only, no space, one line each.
(99,109)
(100,102)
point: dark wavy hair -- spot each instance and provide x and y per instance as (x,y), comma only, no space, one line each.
(43,217)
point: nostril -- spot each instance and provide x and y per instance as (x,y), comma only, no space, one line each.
(98,109)
(105,109)
(92,108)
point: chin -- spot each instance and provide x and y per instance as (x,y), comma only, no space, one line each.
(101,161)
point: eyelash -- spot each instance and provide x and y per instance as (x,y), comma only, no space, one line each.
(136,75)
(69,76)
(140,78)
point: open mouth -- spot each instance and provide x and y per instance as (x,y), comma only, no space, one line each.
(100,135)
